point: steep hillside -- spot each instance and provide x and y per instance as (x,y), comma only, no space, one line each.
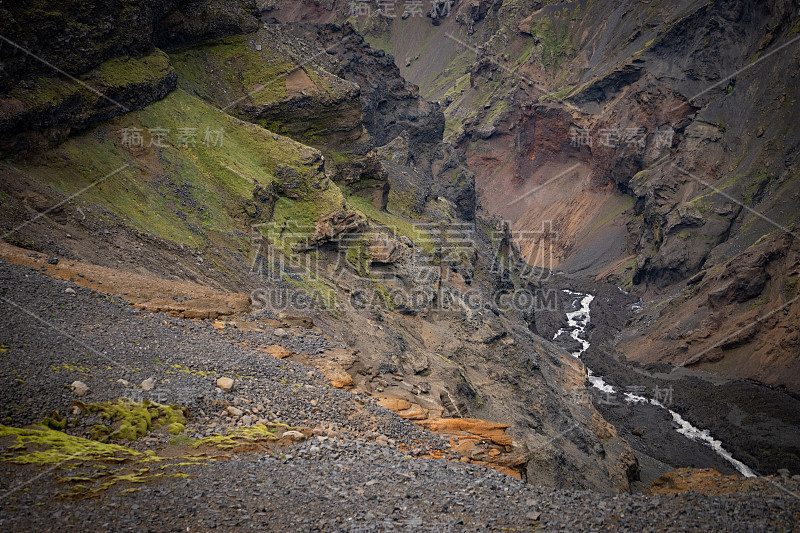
(655,140)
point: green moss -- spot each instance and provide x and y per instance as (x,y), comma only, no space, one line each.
(755,185)
(175,428)
(182,440)
(558,95)
(790,285)
(125,71)
(192,195)
(134,420)
(555,39)
(795,29)
(50,447)
(54,421)
(239,437)
(397,225)
(358,256)
(47,92)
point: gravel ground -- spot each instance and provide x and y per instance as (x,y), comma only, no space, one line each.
(338,481)
(54,338)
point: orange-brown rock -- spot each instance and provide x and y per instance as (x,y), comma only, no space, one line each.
(494,431)
(336,224)
(394,404)
(276,350)
(335,373)
(415,412)
(703,481)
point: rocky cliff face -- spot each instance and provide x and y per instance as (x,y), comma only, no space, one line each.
(655,139)
(65,69)
(654,144)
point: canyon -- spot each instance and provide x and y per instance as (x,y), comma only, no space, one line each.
(548,241)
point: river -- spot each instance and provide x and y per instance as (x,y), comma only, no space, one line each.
(576,328)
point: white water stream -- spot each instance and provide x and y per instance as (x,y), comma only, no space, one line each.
(576,327)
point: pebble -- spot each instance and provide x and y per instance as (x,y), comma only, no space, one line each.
(234,411)
(148,384)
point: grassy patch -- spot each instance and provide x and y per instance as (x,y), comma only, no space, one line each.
(193,193)
(239,72)
(556,41)
(124,71)
(397,225)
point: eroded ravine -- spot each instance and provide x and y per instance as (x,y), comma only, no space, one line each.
(577,321)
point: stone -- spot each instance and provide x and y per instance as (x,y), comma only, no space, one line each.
(385,250)
(79,388)
(235,412)
(69,290)
(226,384)
(294,436)
(334,373)
(276,350)
(394,404)
(124,382)
(333,225)
(382,440)
(280,332)
(148,384)
(247,420)
(415,412)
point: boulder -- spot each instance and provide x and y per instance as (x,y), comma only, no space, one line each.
(294,436)
(334,225)
(226,384)
(394,404)
(79,388)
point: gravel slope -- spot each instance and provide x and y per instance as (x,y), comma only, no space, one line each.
(338,481)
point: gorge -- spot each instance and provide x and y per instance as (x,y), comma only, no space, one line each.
(400,265)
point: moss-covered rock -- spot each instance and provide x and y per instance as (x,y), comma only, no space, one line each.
(129,420)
